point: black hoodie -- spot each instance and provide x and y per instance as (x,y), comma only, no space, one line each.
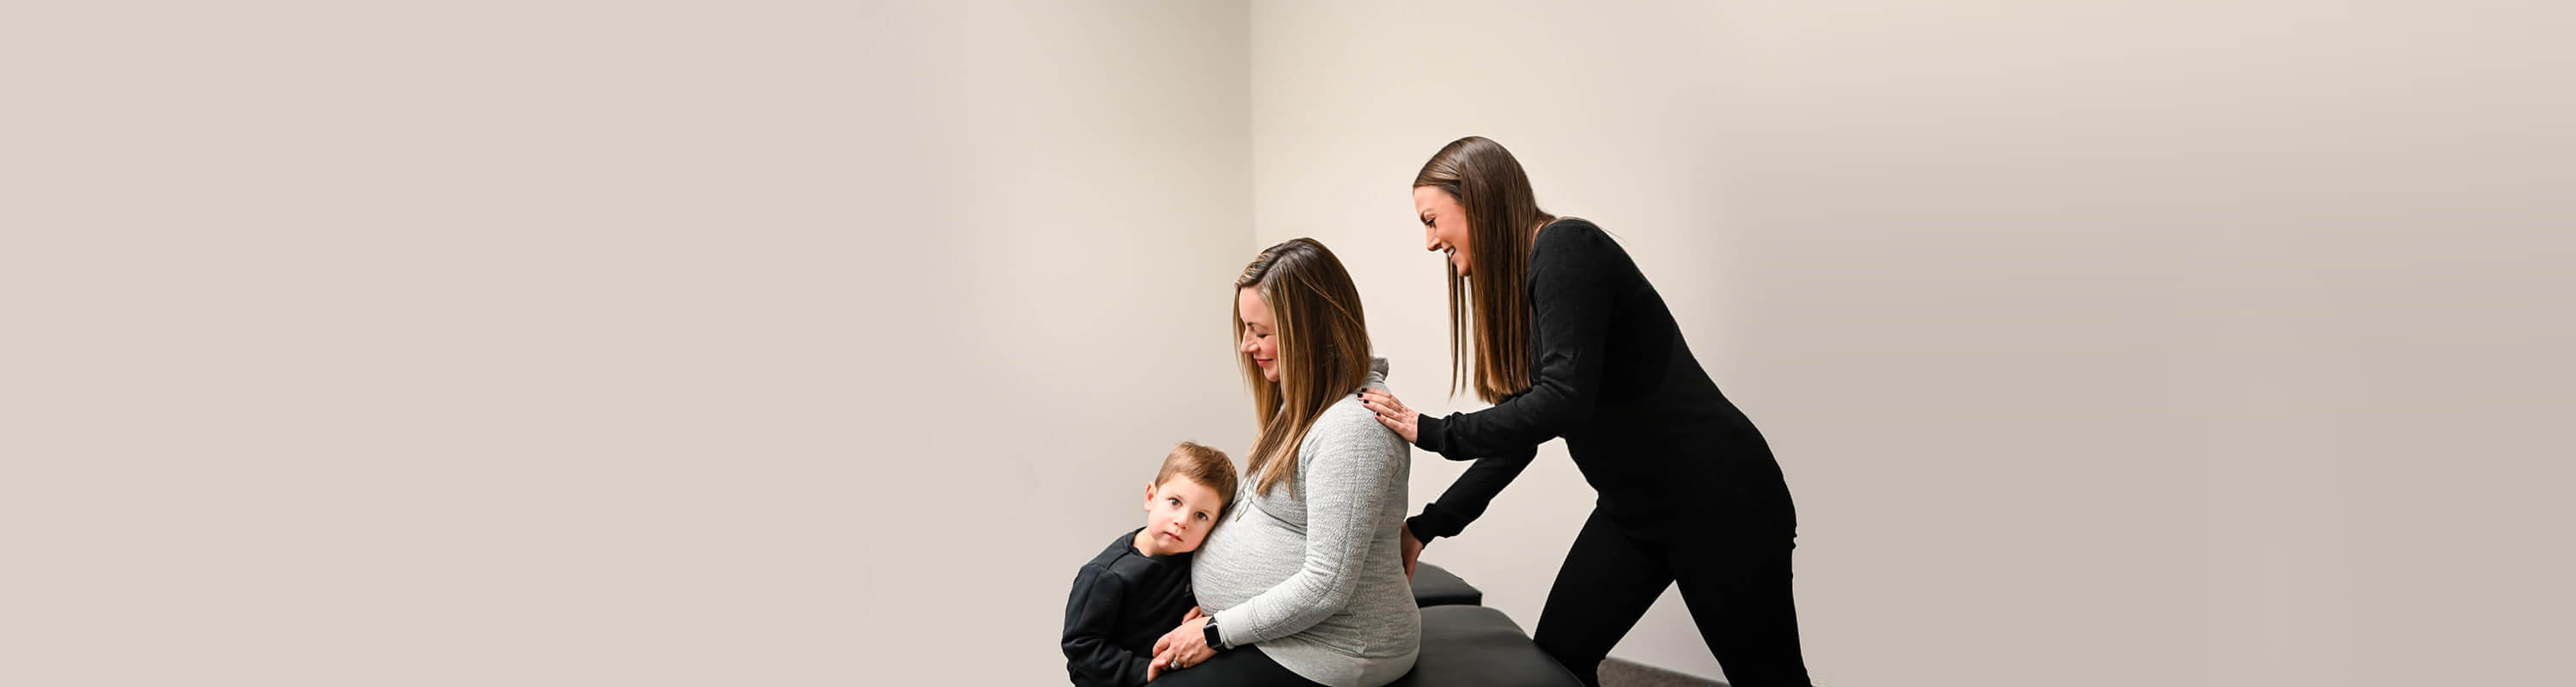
(1122,601)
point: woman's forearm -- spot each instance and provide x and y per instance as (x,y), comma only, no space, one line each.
(1466,499)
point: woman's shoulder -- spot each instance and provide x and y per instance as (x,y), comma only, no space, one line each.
(1569,223)
(1346,416)
(1346,420)
(1572,240)
(1347,426)
(1571,236)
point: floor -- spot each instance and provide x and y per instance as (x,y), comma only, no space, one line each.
(1622,673)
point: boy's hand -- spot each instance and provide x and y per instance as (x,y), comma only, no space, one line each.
(1155,669)
(1194,614)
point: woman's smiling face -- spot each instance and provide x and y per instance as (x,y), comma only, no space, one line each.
(1260,342)
(1444,225)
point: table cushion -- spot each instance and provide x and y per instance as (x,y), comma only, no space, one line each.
(1433,586)
(1479,646)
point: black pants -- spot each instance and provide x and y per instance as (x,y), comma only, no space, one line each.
(1734,575)
(1243,665)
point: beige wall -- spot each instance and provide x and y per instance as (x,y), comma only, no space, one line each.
(2102,343)
(548,343)
(568,343)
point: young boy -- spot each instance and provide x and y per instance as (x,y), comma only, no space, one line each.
(1139,588)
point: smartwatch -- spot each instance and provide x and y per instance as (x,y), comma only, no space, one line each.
(1214,640)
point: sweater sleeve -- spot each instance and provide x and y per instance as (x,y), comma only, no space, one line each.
(1465,500)
(1572,294)
(1091,652)
(1354,462)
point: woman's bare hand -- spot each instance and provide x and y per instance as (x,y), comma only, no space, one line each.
(1182,647)
(1412,550)
(1393,414)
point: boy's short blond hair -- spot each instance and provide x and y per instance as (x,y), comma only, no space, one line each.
(1207,466)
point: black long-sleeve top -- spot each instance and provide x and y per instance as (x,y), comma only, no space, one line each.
(1122,601)
(1641,419)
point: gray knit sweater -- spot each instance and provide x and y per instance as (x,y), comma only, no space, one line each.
(1315,581)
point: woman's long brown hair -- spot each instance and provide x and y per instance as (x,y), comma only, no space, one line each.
(1323,351)
(1503,219)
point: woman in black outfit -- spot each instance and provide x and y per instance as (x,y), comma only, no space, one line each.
(1571,341)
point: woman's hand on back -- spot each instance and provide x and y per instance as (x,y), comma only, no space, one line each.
(1395,416)
(1412,550)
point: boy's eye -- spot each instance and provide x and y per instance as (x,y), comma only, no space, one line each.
(1202,516)
(1172,501)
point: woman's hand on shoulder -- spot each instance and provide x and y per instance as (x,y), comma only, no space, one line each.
(1392,413)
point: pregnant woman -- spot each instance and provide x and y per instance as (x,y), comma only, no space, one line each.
(1304,584)
(1571,341)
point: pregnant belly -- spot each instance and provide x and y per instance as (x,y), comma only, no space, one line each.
(1245,557)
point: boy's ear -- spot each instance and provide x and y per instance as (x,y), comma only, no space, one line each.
(1149,496)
